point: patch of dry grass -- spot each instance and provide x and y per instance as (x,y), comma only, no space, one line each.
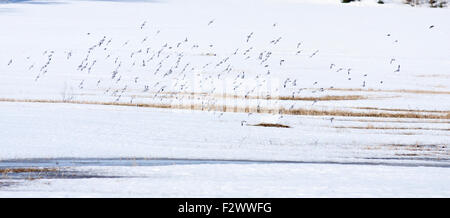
(437,148)
(389,128)
(434,75)
(27,170)
(393,121)
(407,155)
(343,113)
(223,108)
(402,110)
(411,91)
(417,145)
(430,149)
(326,98)
(271,125)
(282,98)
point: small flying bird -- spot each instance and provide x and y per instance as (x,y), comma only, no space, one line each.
(285,82)
(81,84)
(210,22)
(143,24)
(398,69)
(313,54)
(392,60)
(249,36)
(431,27)
(69,54)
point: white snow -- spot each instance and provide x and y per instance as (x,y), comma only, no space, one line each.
(248,180)
(181,53)
(67,130)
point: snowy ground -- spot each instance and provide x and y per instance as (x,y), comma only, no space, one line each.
(249,180)
(364,88)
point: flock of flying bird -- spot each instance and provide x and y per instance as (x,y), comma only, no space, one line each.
(166,71)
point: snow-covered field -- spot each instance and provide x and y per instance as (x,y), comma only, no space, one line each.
(249,180)
(364,89)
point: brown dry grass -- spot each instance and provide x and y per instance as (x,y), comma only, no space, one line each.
(407,155)
(402,110)
(222,108)
(227,96)
(271,125)
(389,128)
(433,75)
(439,149)
(343,113)
(393,121)
(27,170)
(417,145)
(326,98)
(411,91)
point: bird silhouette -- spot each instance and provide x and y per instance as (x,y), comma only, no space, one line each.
(143,24)
(398,69)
